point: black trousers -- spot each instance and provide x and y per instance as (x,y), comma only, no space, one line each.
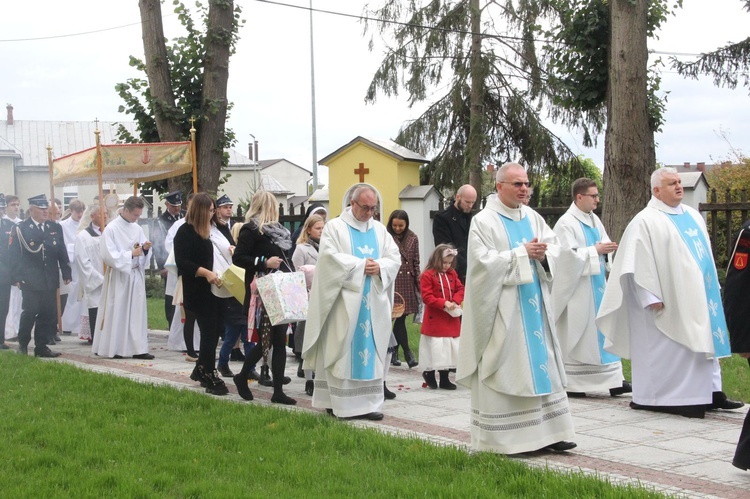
(211,323)
(4,306)
(92,320)
(39,311)
(169,309)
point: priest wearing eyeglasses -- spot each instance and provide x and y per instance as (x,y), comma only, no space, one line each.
(349,320)
(509,355)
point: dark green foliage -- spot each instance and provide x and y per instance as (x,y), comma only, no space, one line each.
(185,56)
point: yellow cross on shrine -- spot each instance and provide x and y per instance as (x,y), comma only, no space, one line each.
(362,171)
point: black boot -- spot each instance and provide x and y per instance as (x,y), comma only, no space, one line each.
(199,375)
(411,361)
(445,382)
(265,378)
(309,387)
(429,378)
(214,384)
(394,359)
(240,381)
(300,371)
(279,397)
(237,355)
(387,394)
(721,401)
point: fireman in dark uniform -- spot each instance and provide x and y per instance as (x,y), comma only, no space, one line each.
(37,256)
(5,283)
(173,212)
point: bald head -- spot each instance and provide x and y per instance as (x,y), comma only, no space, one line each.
(466,196)
(512,185)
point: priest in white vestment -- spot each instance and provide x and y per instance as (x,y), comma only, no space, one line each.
(89,265)
(577,293)
(16,300)
(71,316)
(121,326)
(662,306)
(349,320)
(508,351)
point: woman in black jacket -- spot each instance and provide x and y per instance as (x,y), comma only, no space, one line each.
(194,256)
(261,248)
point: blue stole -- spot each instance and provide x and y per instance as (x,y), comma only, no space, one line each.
(598,282)
(364,245)
(693,237)
(530,299)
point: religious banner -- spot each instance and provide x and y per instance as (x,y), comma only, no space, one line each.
(124,162)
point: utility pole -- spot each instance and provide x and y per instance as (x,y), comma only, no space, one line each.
(253,152)
(312,87)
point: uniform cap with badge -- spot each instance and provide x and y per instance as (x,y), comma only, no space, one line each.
(39,201)
(174,198)
(223,201)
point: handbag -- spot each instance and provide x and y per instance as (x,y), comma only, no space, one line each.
(233,280)
(284,296)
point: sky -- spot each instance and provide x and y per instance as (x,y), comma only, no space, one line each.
(61,61)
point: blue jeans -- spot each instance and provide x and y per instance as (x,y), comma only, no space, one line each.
(231,333)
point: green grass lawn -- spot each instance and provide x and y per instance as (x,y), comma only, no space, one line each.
(67,432)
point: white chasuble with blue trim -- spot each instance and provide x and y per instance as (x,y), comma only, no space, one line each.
(532,309)
(692,236)
(598,283)
(363,351)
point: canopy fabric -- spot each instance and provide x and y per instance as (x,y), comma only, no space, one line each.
(124,163)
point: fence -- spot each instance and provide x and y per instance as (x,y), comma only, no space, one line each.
(726,213)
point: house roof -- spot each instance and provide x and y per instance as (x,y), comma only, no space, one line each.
(416,192)
(386,146)
(690,180)
(270,184)
(320,196)
(265,163)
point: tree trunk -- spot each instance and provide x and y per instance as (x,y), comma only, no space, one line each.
(629,156)
(475,143)
(210,138)
(166,113)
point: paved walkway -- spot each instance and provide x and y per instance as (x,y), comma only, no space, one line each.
(674,455)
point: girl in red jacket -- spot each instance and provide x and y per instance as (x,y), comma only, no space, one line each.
(442,293)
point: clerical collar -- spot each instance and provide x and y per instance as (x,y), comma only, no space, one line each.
(348,217)
(662,206)
(582,216)
(494,203)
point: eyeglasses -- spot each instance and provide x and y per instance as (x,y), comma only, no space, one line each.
(595,196)
(365,207)
(518,185)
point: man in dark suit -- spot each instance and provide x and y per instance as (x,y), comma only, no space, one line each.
(172,213)
(451,226)
(5,227)
(37,256)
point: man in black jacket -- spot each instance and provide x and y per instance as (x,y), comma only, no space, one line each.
(736,293)
(451,226)
(37,256)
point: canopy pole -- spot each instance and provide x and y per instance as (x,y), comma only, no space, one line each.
(192,153)
(53,216)
(99,180)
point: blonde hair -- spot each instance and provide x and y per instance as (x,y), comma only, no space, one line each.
(263,210)
(309,224)
(235,230)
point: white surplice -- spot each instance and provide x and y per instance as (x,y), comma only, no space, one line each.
(335,300)
(71,317)
(508,416)
(671,350)
(14,307)
(121,325)
(90,268)
(575,308)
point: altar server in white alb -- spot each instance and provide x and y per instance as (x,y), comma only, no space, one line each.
(662,306)
(349,321)
(508,352)
(71,307)
(577,293)
(121,328)
(89,264)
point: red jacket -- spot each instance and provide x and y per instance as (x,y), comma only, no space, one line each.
(436,321)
